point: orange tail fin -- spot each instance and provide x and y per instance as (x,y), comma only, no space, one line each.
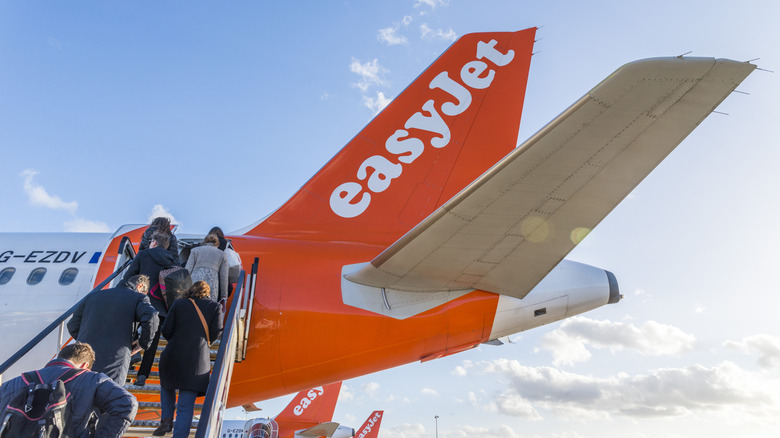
(370,429)
(456,120)
(315,405)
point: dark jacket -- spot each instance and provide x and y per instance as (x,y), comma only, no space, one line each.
(222,243)
(186,361)
(89,391)
(150,262)
(173,245)
(106,320)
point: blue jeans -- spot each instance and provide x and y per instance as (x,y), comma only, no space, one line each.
(184,408)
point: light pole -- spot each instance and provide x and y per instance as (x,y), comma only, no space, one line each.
(436,418)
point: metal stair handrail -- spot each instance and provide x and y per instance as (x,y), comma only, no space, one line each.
(209,424)
(123,246)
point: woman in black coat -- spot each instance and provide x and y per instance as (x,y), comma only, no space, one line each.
(185,364)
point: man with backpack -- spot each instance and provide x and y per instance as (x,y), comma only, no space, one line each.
(64,399)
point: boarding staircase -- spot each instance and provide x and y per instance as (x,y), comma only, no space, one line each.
(231,348)
(148,417)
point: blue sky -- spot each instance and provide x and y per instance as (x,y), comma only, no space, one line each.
(113,112)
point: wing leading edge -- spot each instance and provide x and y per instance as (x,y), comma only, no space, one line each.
(505,231)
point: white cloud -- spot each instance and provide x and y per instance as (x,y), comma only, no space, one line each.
(79,225)
(38,196)
(370,74)
(371,388)
(502,431)
(667,392)
(431,3)
(427,33)
(766,346)
(406,430)
(568,343)
(390,36)
(463,368)
(511,403)
(429,391)
(378,104)
(160,211)
(346,393)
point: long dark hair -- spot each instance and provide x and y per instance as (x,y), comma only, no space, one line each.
(217,231)
(163,224)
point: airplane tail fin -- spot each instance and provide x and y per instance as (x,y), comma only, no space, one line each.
(454,122)
(370,429)
(315,405)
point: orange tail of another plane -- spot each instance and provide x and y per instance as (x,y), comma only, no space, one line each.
(370,429)
(314,405)
(456,120)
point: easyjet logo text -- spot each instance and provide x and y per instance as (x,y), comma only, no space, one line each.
(369,425)
(308,399)
(377,172)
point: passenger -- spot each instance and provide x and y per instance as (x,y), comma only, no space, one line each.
(185,364)
(150,262)
(217,231)
(234,260)
(209,264)
(162,225)
(107,320)
(89,392)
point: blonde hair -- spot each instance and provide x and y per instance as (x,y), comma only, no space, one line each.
(212,240)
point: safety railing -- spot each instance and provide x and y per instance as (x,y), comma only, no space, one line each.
(123,248)
(216,396)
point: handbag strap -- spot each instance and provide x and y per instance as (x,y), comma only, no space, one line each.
(202,321)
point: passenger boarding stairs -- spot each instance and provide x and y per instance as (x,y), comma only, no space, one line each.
(148,417)
(231,349)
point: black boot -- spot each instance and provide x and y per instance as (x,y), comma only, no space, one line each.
(166,425)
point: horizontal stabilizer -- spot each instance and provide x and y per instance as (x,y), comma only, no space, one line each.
(510,227)
(322,429)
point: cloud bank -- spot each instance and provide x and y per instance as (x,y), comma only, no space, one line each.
(38,196)
(569,343)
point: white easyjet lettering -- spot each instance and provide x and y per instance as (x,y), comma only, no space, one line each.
(351,199)
(384,172)
(443,82)
(414,146)
(370,425)
(434,124)
(488,50)
(341,200)
(307,400)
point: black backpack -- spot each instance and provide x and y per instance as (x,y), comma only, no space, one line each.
(174,282)
(39,410)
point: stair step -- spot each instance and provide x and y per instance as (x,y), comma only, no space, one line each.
(145,429)
(146,389)
(156,406)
